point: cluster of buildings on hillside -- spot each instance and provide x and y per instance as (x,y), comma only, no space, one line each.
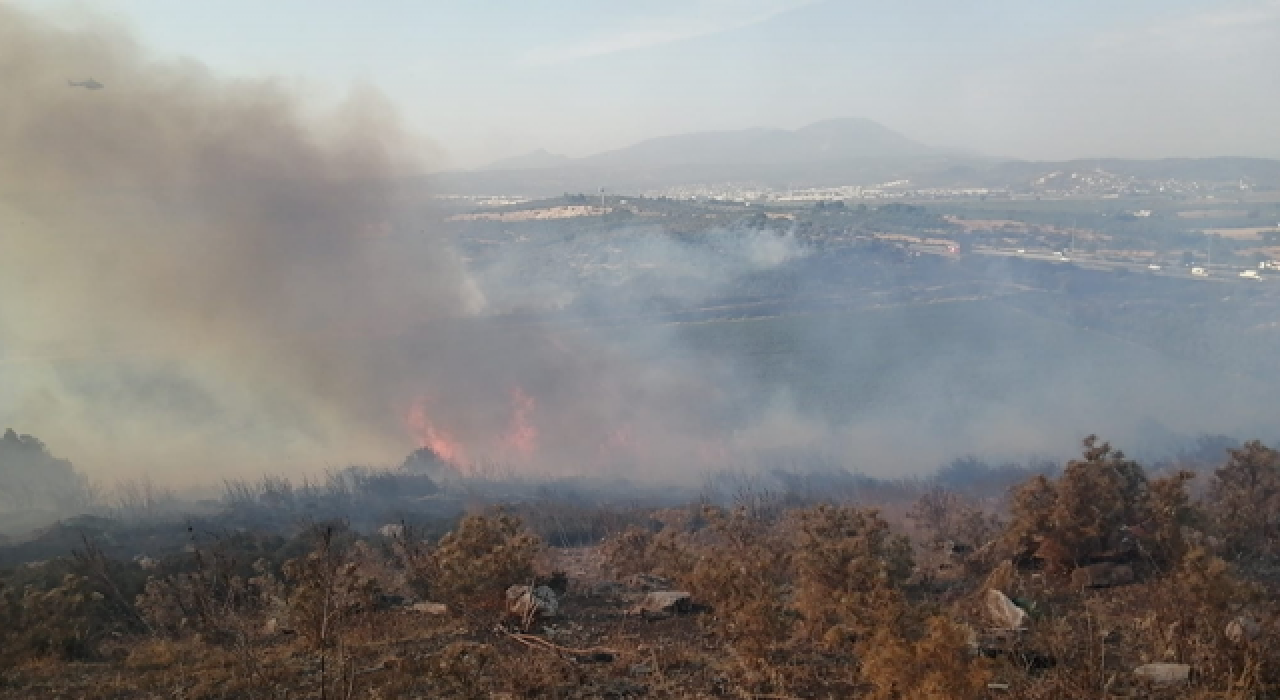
(749,193)
(1107,185)
(1096,183)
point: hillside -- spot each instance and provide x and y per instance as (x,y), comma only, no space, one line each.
(826,141)
(532,160)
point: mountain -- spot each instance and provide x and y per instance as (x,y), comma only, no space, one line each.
(824,142)
(836,150)
(533,160)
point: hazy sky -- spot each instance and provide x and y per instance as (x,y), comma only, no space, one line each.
(486,79)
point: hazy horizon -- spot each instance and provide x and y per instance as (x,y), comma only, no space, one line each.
(487,81)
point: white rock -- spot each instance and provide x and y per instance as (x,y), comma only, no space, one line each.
(1004,613)
(1163,674)
(430,608)
(538,602)
(391,530)
(1244,628)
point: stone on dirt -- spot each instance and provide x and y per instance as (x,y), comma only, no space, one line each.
(1163,674)
(430,608)
(524,601)
(1005,614)
(663,603)
(393,530)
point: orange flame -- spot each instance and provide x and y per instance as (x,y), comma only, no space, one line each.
(522,436)
(431,437)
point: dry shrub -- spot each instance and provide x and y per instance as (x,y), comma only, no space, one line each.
(672,554)
(63,621)
(846,560)
(476,563)
(211,600)
(1194,609)
(744,576)
(628,552)
(933,664)
(327,590)
(544,676)
(465,670)
(1244,501)
(1082,514)
(935,511)
(1171,513)
(945,515)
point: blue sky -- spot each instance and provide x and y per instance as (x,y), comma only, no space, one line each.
(487,79)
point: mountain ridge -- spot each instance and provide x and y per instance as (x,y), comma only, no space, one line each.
(828,140)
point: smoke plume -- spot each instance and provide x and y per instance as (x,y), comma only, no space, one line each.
(196,271)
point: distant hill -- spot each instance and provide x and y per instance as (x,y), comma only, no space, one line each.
(826,153)
(836,150)
(533,160)
(827,141)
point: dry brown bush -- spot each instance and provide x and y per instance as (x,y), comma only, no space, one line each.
(465,670)
(60,622)
(474,564)
(934,663)
(1244,501)
(1191,618)
(846,559)
(326,591)
(744,576)
(628,551)
(1171,513)
(210,600)
(1085,512)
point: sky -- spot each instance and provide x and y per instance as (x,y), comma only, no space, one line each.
(482,79)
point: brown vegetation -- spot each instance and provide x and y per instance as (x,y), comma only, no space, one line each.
(1116,583)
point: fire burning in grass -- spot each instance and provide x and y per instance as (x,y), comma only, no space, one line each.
(521,439)
(427,435)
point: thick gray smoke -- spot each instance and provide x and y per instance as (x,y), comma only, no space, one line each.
(194,272)
(200,279)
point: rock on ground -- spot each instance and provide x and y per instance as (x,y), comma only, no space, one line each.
(393,530)
(1163,674)
(663,603)
(430,608)
(1004,613)
(525,602)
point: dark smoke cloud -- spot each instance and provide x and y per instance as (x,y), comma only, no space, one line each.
(201,278)
(195,272)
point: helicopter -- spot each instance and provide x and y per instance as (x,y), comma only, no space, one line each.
(89,84)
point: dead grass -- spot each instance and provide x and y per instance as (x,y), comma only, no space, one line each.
(791,601)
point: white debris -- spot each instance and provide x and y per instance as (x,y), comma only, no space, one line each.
(1163,674)
(430,608)
(538,602)
(1005,614)
(393,530)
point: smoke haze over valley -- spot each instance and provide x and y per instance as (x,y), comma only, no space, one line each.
(206,276)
